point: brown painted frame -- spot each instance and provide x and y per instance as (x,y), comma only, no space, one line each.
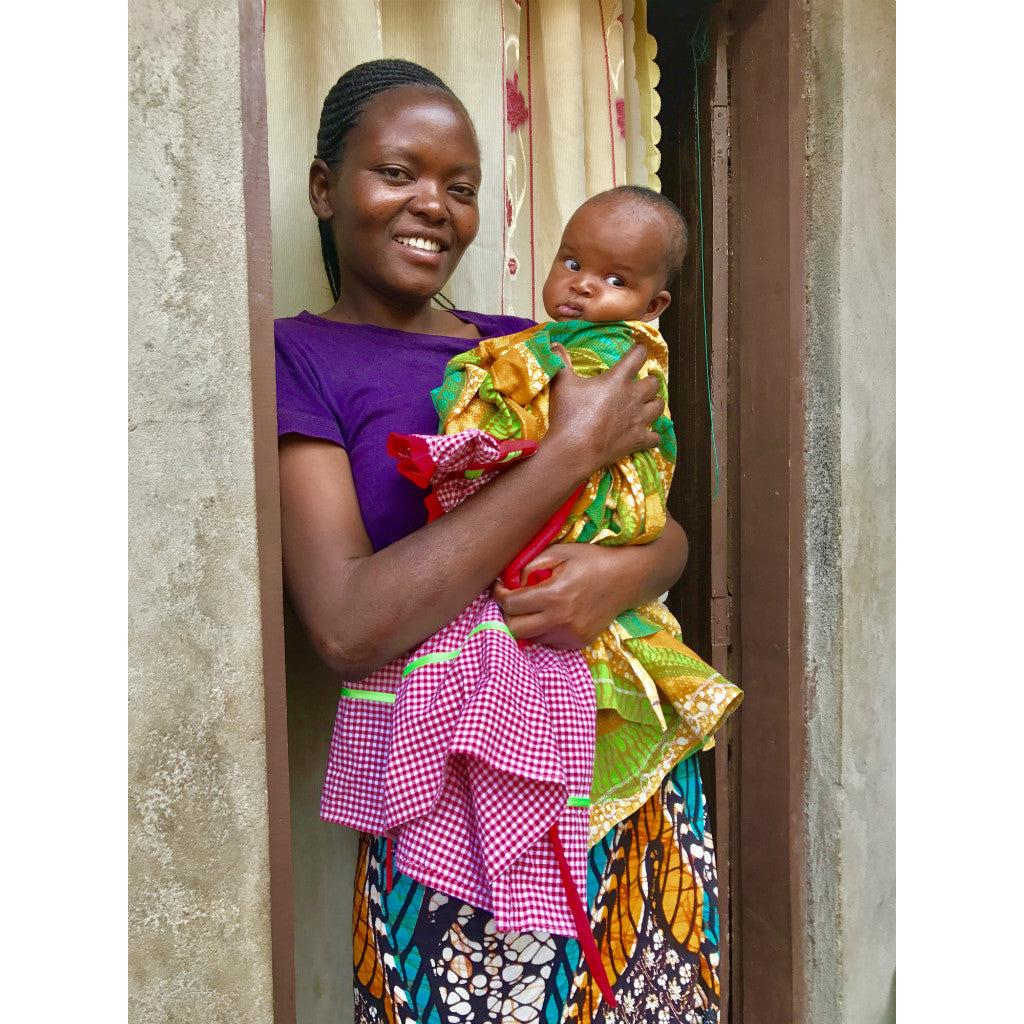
(741,598)
(767,49)
(256,192)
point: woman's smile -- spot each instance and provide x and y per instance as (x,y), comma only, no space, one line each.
(423,244)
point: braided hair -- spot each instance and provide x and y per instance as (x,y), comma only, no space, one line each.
(342,109)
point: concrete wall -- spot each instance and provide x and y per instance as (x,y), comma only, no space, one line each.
(850,567)
(199,910)
(199,883)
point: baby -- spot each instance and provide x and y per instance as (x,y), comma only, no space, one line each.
(618,252)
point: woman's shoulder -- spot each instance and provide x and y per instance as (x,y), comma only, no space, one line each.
(306,325)
(317,340)
(493,325)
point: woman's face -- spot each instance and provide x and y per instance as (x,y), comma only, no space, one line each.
(403,201)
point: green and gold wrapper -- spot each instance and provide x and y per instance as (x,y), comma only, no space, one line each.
(657,700)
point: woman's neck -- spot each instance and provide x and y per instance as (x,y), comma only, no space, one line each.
(418,319)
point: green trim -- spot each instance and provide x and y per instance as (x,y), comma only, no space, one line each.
(436,656)
(429,659)
(380,696)
(490,624)
(473,474)
(579,801)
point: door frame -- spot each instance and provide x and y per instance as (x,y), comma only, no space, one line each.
(256,192)
(768,60)
(749,585)
(741,600)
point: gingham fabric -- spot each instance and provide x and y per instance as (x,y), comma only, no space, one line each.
(469,459)
(489,749)
(484,747)
(353,792)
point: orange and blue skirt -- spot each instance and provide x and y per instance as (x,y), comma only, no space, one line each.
(423,957)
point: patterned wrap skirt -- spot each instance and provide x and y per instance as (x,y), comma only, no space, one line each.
(652,887)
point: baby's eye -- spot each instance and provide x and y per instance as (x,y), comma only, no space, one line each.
(615,281)
(571,264)
(394,173)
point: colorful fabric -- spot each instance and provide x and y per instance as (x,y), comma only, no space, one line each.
(657,700)
(424,957)
(468,755)
(485,758)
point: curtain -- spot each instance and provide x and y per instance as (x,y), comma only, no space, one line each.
(561,92)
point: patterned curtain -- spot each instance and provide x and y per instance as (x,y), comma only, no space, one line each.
(562,94)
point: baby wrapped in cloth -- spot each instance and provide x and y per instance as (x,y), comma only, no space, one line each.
(493,742)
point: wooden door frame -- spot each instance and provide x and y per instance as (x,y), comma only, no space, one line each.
(768,56)
(754,561)
(256,191)
(741,600)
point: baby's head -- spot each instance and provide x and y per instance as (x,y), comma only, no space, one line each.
(618,252)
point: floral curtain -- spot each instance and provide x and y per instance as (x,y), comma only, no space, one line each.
(562,94)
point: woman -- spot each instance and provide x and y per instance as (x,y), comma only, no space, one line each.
(394,187)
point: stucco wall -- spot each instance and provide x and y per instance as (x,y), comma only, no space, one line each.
(199,921)
(850,567)
(199,901)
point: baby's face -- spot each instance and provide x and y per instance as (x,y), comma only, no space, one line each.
(609,266)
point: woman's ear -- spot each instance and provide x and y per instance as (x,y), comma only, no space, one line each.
(656,307)
(320,178)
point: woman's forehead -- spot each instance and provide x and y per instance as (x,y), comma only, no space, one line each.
(398,116)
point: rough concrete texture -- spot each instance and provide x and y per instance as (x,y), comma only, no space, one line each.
(198,870)
(850,566)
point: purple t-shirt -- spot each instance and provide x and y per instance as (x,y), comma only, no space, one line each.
(353,385)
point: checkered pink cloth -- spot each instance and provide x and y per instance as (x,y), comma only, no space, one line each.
(488,751)
(467,752)
(455,464)
(478,756)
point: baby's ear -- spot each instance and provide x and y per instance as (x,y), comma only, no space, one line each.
(656,307)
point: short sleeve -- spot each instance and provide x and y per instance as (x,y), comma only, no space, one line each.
(301,407)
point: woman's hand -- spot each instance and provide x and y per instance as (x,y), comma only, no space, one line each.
(589,586)
(607,417)
(362,608)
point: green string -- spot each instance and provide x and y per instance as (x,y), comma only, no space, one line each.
(700,49)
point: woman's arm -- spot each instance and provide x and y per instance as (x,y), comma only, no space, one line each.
(590,585)
(362,608)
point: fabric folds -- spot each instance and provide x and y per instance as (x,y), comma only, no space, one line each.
(658,701)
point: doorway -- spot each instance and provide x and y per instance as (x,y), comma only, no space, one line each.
(734,169)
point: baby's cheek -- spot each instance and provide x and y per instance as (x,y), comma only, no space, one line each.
(547,296)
